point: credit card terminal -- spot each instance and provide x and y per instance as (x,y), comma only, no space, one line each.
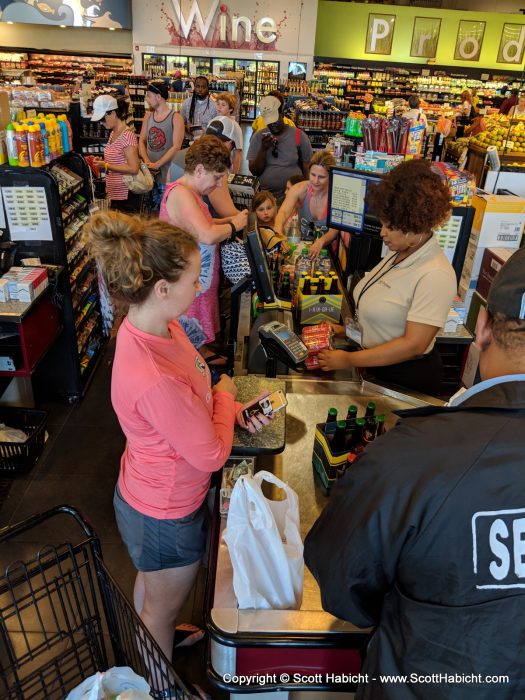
(283,343)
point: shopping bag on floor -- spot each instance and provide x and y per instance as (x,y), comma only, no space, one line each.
(265,546)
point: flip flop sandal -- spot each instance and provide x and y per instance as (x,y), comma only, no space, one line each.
(183,636)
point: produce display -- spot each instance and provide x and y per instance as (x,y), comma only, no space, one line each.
(508,136)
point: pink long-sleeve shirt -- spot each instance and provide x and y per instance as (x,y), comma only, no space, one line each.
(178,431)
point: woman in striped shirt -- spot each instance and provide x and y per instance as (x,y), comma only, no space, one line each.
(121,153)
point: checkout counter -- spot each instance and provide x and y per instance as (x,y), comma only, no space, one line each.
(287,654)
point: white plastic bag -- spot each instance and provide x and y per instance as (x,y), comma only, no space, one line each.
(118,681)
(265,546)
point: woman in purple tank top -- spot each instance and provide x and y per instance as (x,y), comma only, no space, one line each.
(310,200)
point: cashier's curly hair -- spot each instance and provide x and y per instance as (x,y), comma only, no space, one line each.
(411,198)
(134,253)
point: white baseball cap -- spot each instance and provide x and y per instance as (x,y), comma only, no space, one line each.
(269,109)
(102,105)
(226,129)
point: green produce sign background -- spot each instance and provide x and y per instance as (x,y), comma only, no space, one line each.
(455,38)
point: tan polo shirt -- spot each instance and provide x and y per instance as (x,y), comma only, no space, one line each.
(420,288)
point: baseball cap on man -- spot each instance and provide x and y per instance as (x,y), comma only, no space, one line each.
(225,129)
(269,108)
(507,293)
(102,105)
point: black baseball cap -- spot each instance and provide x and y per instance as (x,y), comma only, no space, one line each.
(158,87)
(507,293)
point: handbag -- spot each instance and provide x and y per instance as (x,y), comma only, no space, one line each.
(141,182)
(265,546)
(234,261)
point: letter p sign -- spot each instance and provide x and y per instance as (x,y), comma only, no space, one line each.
(380,33)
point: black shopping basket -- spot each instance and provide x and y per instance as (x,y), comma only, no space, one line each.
(56,612)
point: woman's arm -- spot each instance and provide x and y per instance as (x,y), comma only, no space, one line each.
(183,211)
(222,202)
(414,342)
(236,160)
(320,243)
(202,440)
(292,201)
(143,149)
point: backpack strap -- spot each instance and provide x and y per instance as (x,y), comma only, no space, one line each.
(298,146)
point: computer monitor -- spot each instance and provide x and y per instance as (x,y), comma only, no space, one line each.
(258,264)
(347,209)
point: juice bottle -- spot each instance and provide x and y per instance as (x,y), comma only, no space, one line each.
(12,152)
(45,140)
(21,144)
(63,124)
(35,145)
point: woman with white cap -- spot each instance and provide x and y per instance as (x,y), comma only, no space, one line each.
(121,153)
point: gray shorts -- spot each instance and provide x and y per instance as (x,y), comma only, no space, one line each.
(155,544)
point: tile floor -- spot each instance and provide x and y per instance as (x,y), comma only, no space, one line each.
(79,467)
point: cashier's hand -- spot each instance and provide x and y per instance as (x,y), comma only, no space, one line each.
(338,330)
(315,249)
(334,359)
(257,422)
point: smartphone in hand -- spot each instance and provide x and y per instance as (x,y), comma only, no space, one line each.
(267,406)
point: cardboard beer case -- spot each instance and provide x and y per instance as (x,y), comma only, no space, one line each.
(325,462)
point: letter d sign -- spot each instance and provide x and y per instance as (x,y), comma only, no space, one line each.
(380,33)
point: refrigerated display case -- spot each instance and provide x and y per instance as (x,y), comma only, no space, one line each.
(223,65)
(199,65)
(154,64)
(249,92)
(267,78)
(174,63)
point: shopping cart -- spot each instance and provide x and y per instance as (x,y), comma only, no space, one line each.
(57,612)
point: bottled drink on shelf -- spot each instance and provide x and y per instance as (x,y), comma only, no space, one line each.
(356,443)
(370,429)
(370,409)
(339,439)
(302,264)
(351,416)
(331,419)
(286,292)
(323,264)
(307,286)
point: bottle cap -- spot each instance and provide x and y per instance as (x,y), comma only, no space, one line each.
(360,421)
(341,424)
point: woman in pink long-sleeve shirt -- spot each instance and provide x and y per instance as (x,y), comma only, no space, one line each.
(178,428)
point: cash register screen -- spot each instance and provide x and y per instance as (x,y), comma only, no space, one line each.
(347,209)
(257,258)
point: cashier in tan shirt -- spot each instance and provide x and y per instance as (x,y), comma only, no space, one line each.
(402,302)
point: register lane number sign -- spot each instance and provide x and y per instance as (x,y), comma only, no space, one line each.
(348,201)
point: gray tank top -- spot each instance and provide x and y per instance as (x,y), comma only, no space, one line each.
(159,139)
